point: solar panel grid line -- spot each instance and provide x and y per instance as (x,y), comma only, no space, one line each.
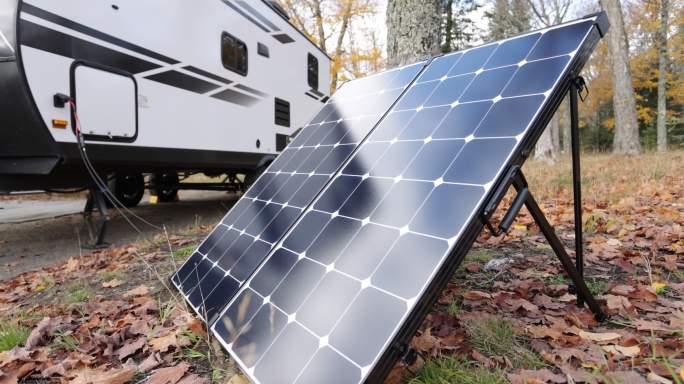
(457,255)
(194,293)
(481,198)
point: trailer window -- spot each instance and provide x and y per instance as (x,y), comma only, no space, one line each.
(312,71)
(234,53)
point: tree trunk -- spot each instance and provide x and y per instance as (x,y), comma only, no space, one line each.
(626,140)
(346,18)
(544,150)
(566,126)
(413,30)
(661,125)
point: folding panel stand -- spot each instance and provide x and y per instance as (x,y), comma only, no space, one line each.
(96,232)
(516,178)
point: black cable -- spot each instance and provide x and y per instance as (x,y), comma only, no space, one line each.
(100,184)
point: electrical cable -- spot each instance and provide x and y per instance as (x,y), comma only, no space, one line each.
(100,184)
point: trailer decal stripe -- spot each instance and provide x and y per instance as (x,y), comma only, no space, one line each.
(207,74)
(183,81)
(46,39)
(246,16)
(43,14)
(252,90)
(235,97)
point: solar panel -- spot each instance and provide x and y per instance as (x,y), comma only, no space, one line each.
(246,235)
(348,282)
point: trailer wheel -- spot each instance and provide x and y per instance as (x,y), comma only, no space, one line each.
(252,177)
(128,188)
(165,186)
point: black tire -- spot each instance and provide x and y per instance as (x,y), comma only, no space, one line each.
(128,188)
(165,189)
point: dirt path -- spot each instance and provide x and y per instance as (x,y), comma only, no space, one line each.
(36,234)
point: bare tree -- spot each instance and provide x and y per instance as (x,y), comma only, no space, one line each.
(548,13)
(626,139)
(413,30)
(661,125)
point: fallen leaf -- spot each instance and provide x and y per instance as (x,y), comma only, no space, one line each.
(238,379)
(130,348)
(169,375)
(112,283)
(114,376)
(140,290)
(193,379)
(44,327)
(529,376)
(163,343)
(599,337)
(632,351)
(476,295)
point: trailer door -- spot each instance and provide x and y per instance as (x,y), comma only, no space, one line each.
(106,102)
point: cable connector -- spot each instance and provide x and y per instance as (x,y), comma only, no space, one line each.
(60,100)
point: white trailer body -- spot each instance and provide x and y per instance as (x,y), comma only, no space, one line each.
(208,85)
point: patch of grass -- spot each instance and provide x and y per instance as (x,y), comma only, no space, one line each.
(183,253)
(448,369)
(112,275)
(478,256)
(78,293)
(597,287)
(65,341)
(557,279)
(454,308)
(498,337)
(12,335)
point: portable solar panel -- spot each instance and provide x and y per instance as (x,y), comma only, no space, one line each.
(346,287)
(248,232)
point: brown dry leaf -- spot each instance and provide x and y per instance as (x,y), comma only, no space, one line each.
(529,376)
(44,327)
(151,362)
(599,337)
(163,343)
(130,348)
(140,290)
(632,351)
(196,326)
(113,376)
(651,325)
(13,376)
(626,377)
(238,379)
(193,379)
(170,375)
(112,283)
(71,265)
(476,295)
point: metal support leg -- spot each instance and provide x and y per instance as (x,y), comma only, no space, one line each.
(577,185)
(96,232)
(520,184)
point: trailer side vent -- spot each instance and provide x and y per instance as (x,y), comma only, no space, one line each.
(281,141)
(282,112)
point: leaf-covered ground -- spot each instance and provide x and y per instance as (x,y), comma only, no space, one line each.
(506,316)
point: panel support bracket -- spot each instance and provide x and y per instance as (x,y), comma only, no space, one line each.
(96,231)
(516,178)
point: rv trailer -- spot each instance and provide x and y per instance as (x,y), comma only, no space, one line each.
(160,88)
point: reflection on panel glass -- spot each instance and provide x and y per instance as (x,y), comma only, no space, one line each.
(247,234)
(350,270)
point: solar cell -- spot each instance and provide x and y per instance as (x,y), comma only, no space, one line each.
(246,235)
(338,290)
